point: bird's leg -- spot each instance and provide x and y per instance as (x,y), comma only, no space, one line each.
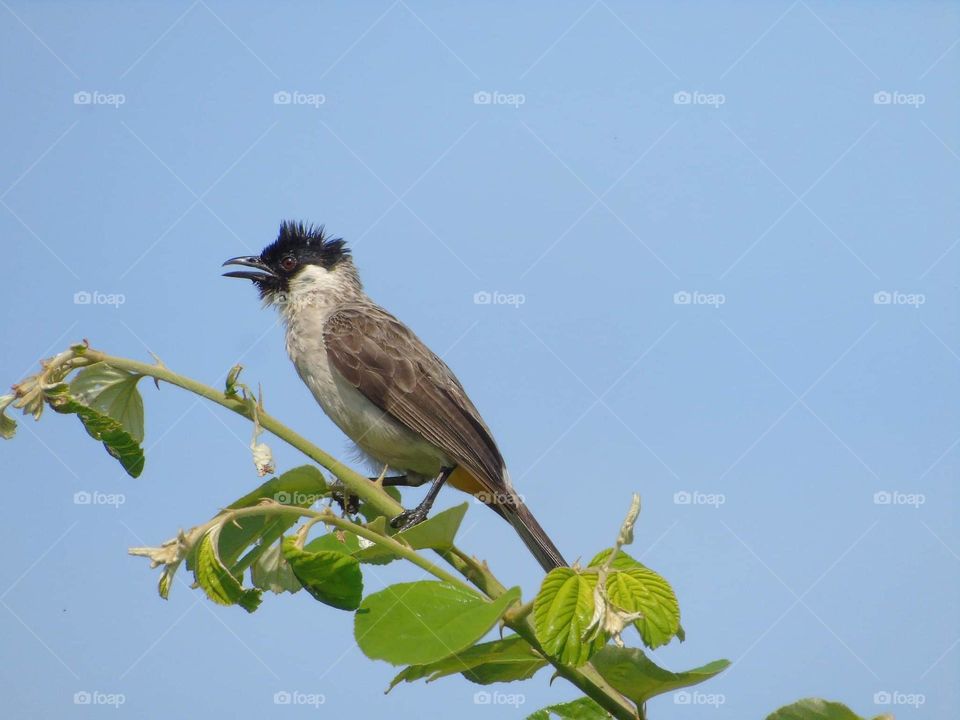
(350,503)
(409,518)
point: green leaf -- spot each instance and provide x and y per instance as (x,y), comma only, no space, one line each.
(268,569)
(436,533)
(562,611)
(499,661)
(166,579)
(367,551)
(636,588)
(632,673)
(502,672)
(621,562)
(8,426)
(336,541)
(378,525)
(118,442)
(422,622)
(113,393)
(642,590)
(217,582)
(271,571)
(331,577)
(301,486)
(259,531)
(817,709)
(230,388)
(582,709)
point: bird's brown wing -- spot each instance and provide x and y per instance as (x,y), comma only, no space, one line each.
(392,368)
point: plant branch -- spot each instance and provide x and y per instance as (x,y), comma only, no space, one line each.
(359,485)
(586,678)
(328,517)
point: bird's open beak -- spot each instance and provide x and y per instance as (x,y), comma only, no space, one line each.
(265,273)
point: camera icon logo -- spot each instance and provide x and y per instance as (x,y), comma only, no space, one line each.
(482,298)
(682,298)
(283,497)
(882,698)
(682,498)
(82,297)
(682,98)
(282,697)
(82,698)
(481,697)
(482,97)
(882,98)
(83,97)
(282,97)
(82,497)
(682,698)
(882,498)
(882,297)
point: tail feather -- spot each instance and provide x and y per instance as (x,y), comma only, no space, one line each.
(505,502)
(533,536)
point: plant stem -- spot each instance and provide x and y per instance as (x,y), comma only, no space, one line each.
(328,517)
(358,484)
(586,678)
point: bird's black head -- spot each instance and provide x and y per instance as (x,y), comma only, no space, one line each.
(298,247)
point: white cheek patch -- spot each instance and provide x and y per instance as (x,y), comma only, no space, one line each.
(313,286)
(311,279)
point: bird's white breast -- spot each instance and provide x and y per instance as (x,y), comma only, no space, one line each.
(376,434)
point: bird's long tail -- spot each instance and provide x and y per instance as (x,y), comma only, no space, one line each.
(505,502)
(533,536)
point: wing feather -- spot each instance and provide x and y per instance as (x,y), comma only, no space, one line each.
(396,371)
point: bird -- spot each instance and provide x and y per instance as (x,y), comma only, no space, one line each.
(398,402)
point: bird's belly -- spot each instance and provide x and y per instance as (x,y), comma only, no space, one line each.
(375,432)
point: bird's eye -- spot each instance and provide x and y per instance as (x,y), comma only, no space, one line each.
(288,263)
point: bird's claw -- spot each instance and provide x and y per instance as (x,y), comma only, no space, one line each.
(348,502)
(408,518)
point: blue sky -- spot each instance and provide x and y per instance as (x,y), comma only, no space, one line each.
(720,247)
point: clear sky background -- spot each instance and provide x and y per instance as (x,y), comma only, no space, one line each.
(782,198)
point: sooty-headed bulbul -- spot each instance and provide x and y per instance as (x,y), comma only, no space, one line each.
(384,388)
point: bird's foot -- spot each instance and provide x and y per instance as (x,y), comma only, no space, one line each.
(348,502)
(408,518)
